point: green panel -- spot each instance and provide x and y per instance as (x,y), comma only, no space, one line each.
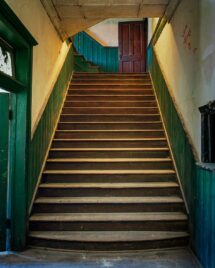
(198,183)
(4,132)
(105,57)
(47,123)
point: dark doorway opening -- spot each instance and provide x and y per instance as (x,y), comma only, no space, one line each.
(132,46)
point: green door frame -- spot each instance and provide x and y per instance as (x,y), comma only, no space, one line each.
(4,136)
(14,33)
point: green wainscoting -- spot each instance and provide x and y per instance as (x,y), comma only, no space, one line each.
(197,182)
(44,131)
(105,57)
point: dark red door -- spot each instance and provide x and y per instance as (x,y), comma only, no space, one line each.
(132,46)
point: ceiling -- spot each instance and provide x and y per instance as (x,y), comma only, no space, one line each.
(72,16)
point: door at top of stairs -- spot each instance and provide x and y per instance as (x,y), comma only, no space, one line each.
(132,46)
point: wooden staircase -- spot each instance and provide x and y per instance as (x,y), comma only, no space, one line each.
(109,182)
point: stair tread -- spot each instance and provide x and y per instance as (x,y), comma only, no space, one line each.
(111,185)
(109,130)
(109,200)
(109,149)
(109,172)
(140,216)
(114,139)
(107,236)
(109,160)
(112,114)
(113,122)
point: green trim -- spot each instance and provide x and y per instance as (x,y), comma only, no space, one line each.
(10,84)
(104,57)
(4,127)
(198,183)
(44,131)
(18,37)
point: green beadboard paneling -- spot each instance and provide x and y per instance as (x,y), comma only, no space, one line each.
(198,183)
(47,123)
(105,57)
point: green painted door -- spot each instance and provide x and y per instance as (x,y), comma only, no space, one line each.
(4,134)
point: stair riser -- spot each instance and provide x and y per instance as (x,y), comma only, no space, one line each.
(121,97)
(139,83)
(108,166)
(110,104)
(109,118)
(109,135)
(108,154)
(78,178)
(179,242)
(111,76)
(103,110)
(107,208)
(169,226)
(110,91)
(108,144)
(78,192)
(108,126)
(112,85)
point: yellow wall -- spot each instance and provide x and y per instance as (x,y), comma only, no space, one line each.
(187,59)
(48,55)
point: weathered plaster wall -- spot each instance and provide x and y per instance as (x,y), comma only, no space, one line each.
(106,32)
(48,55)
(187,59)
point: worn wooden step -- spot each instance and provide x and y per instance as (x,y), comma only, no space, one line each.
(109,163)
(108,204)
(100,240)
(110,75)
(109,110)
(109,125)
(109,117)
(108,134)
(111,176)
(109,97)
(123,79)
(108,189)
(110,91)
(107,143)
(124,104)
(108,152)
(109,221)
(111,86)
(109,82)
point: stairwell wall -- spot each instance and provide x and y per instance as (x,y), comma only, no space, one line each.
(181,64)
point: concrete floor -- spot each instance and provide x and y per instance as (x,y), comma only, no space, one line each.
(172,258)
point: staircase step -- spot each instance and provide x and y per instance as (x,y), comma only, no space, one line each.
(111,75)
(102,204)
(118,82)
(104,103)
(109,222)
(143,86)
(109,125)
(108,134)
(108,152)
(112,91)
(108,189)
(100,240)
(109,110)
(109,163)
(107,143)
(109,117)
(111,176)
(109,97)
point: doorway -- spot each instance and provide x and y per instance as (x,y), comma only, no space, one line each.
(132,46)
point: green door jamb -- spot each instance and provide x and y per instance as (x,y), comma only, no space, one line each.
(4,133)
(17,36)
